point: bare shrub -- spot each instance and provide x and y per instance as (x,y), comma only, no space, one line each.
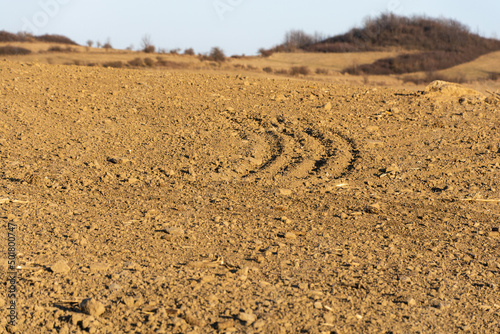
(149,62)
(150,49)
(114,64)
(90,43)
(298,39)
(147,45)
(137,62)
(268,69)
(10,37)
(189,52)
(281,71)
(322,71)
(13,50)
(302,70)
(217,54)
(107,45)
(58,48)
(494,76)
(266,53)
(171,64)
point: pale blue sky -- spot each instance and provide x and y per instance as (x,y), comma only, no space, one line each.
(237,26)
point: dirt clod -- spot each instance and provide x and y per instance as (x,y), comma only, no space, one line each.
(92,307)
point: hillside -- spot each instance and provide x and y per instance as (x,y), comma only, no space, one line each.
(441,44)
(415,33)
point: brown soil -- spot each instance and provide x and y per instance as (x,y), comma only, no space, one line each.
(184,202)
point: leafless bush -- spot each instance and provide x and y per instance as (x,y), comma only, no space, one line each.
(189,52)
(147,45)
(150,49)
(13,50)
(493,76)
(58,48)
(107,45)
(149,62)
(268,69)
(216,54)
(171,64)
(137,62)
(90,43)
(114,64)
(281,71)
(298,39)
(322,71)
(266,53)
(302,70)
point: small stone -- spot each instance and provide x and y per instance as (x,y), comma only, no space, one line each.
(374,143)
(60,267)
(175,231)
(206,279)
(4,200)
(12,329)
(327,106)
(392,169)
(373,208)
(129,301)
(290,235)
(118,161)
(329,318)
(247,317)
(405,279)
(318,305)
(132,180)
(285,192)
(114,287)
(64,330)
(99,267)
(412,302)
(260,258)
(343,215)
(224,325)
(372,128)
(76,318)
(92,307)
(259,324)
(87,322)
(191,320)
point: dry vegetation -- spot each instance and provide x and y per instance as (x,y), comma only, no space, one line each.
(25,37)
(424,44)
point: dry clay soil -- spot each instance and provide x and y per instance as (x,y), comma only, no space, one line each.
(195,203)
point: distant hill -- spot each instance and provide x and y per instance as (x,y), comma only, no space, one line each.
(6,37)
(439,44)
